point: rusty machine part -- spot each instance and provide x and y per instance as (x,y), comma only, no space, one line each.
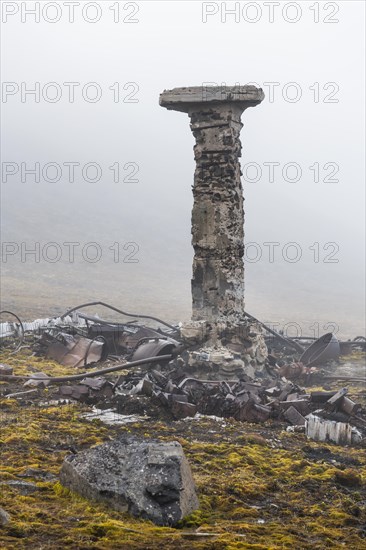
(156,347)
(108,306)
(326,348)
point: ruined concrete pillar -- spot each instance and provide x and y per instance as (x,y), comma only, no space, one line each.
(218,214)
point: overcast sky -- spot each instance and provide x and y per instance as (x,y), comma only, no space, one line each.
(309,59)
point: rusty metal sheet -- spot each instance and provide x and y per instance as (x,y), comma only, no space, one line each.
(72,352)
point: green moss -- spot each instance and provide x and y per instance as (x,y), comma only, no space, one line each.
(258,487)
(195,519)
(349,477)
(9,404)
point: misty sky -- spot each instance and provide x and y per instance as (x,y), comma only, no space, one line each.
(312,116)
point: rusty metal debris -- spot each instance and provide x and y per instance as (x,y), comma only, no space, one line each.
(324,349)
(278,400)
(88,389)
(154,347)
(76,339)
(120,311)
(92,339)
(183,378)
(73,350)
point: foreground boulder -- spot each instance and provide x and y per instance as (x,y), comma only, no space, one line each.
(147,478)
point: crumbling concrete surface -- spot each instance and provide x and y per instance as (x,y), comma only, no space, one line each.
(147,478)
(218,214)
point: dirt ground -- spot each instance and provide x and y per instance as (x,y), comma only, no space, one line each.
(259,486)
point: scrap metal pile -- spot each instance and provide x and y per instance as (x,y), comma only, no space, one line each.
(279,399)
(155,364)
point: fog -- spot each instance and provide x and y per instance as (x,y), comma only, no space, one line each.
(317,121)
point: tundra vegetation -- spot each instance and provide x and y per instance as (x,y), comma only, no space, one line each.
(259,486)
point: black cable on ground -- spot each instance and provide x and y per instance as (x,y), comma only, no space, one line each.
(118,311)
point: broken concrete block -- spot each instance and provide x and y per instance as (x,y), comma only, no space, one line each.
(321,396)
(77,391)
(147,478)
(336,398)
(193,332)
(349,407)
(182,410)
(293,416)
(287,389)
(293,397)
(251,412)
(302,406)
(94,383)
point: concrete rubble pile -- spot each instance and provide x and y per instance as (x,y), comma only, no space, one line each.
(249,401)
(186,379)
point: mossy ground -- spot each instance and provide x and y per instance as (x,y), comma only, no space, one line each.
(259,486)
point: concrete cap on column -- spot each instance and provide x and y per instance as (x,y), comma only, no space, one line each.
(195,97)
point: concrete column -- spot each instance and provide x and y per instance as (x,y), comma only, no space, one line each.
(218,214)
